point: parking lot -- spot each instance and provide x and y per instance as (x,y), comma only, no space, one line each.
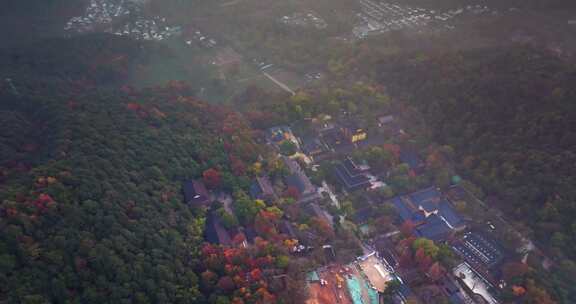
(474,282)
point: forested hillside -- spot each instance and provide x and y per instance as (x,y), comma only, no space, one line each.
(511,116)
(91,208)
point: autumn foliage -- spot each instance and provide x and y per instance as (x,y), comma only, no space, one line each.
(436,272)
(237,273)
(407,228)
(518,290)
(43,202)
(514,269)
(292,192)
(211,178)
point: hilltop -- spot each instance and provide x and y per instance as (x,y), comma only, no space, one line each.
(91,204)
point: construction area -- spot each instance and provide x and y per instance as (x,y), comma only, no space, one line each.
(357,283)
(327,285)
(376,272)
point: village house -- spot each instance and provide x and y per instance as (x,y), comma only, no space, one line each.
(404,293)
(314,148)
(386,251)
(433,228)
(314,210)
(353,132)
(332,138)
(241,235)
(308,238)
(277,135)
(432,214)
(324,124)
(195,193)
(261,188)
(362,219)
(250,234)
(286,228)
(329,253)
(353,176)
(299,180)
(215,232)
(344,136)
(413,160)
(454,294)
(385,120)
(390,126)
(362,216)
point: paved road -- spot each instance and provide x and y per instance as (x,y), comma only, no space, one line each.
(279,83)
(326,188)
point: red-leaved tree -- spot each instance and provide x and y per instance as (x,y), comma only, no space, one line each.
(211,178)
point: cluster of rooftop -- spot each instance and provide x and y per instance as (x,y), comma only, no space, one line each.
(353,176)
(309,19)
(431,213)
(124,18)
(378,17)
(299,180)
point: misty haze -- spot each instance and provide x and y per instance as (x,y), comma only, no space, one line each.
(292,152)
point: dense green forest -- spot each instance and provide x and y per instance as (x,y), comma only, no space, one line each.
(510,115)
(91,208)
